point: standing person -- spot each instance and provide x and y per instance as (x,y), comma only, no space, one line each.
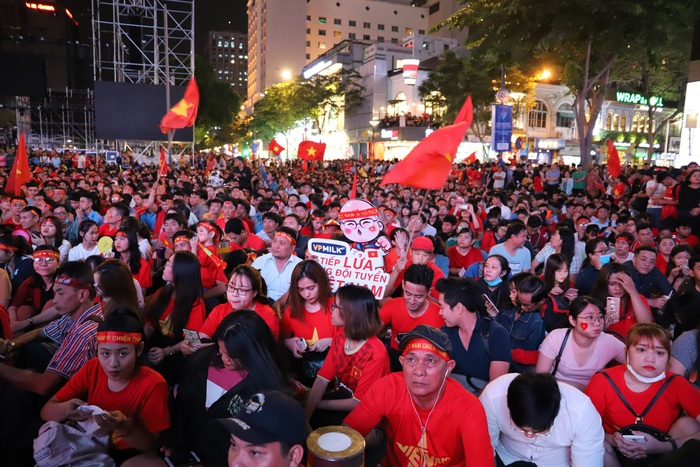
(88,245)
(426,415)
(622,393)
(242,174)
(535,421)
(575,354)
(513,249)
(134,398)
(480,347)
(357,358)
(689,202)
(308,318)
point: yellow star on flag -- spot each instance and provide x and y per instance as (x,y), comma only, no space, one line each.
(181,108)
(449,157)
(311,152)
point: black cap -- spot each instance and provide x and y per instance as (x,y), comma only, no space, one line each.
(268,417)
(433,335)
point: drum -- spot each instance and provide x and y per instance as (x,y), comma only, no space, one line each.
(337,446)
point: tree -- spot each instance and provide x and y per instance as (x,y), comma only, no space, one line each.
(582,38)
(219,105)
(479,76)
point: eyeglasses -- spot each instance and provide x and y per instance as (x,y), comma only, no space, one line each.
(593,319)
(525,307)
(334,305)
(44,260)
(236,290)
(601,252)
(530,434)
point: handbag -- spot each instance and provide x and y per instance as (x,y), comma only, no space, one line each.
(639,418)
(561,351)
(82,444)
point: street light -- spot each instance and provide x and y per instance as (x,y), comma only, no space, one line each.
(286,75)
(374,122)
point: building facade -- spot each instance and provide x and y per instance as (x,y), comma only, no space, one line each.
(227,51)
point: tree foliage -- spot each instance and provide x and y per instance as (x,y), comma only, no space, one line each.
(583,38)
(479,76)
(219,105)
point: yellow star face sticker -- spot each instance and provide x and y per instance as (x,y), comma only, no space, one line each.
(181,108)
(311,152)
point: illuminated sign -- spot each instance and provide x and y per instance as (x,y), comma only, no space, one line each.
(319,67)
(389,134)
(410,71)
(551,144)
(629,98)
(40,6)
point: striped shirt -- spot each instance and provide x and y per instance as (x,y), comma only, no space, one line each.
(77,342)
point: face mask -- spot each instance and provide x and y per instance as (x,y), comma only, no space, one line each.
(645,379)
(604,259)
(495,282)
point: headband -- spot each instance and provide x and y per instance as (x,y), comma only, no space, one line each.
(210,228)
(287,236)
(318,218)
(358,214)
(425,344)
(122,234)
(8,247)
(73,282)
(20,201)
(623,240)
(46,254)
(112,337)
(181,238)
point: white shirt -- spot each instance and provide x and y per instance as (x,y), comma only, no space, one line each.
(277,281)
(79,253)
(575,439)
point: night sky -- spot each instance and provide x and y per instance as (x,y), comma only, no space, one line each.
(218,15)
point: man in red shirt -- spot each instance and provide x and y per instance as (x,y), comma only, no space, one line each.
(239,237)
(429,419)
(464,253)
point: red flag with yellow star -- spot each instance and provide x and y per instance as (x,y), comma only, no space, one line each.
(311,151)
(429,163)
(184,112)
(20,174)
(275,147)
(614,168)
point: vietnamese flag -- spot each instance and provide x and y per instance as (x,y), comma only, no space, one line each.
(211,164)
(353,190)
(430,162)
(311,151)
(163,170)
(20,174)
(275,147)
(472,157)
(614,168)
(184,112)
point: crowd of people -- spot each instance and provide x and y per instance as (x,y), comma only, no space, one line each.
(534,315)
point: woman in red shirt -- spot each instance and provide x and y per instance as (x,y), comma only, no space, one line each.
(307,327)
(126,248)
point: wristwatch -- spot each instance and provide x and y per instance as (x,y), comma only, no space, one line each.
(31,322)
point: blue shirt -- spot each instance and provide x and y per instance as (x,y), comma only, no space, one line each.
(648,284)
(526,332)
(474,361)
(519,262)
(586,279)
(95,217)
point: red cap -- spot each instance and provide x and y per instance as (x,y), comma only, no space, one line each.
(422,243)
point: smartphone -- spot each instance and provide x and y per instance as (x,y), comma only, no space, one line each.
(182,459)
(192,338)
(303,344)
(486,298)
(612,310)
(635,438)
(572,290)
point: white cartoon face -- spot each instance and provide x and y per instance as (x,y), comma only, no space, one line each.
(362,230)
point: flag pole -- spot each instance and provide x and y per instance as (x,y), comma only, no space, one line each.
(413,227)
(171,133)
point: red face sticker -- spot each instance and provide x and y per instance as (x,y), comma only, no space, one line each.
(372,229)
(347,231)
(584,325)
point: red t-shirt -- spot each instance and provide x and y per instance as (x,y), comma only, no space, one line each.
(457,260)
(210,268)
(488,241)
(623,326)
(144,399)
(105,230)
(679,396)
(316,326)
(457,433)
(359,370)
(144,275)
(198,314)
(438,274)
(394,313)
(219,312)
(255,242)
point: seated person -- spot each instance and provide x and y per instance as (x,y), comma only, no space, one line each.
(649,281)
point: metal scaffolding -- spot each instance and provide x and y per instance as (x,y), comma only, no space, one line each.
(131,43)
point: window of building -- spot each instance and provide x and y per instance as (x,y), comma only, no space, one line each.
(421,31)
(426,45)
(434,8)
(623,122)
(308,43)
(352,23)
(308,31)
(351,35)
(635,123)
(608,121)
(321,19)
(337,34)
(321,32)
(322,45)
(308,57)
(365,37)
(409,30)
(565,116)
(394,40)
(308,19)
(394,29)
(219,44)
(337,21)
(380,27)
(380,38)
(616,122)
(366,25)
(537,118)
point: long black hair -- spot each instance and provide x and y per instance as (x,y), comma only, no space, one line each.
(134,252)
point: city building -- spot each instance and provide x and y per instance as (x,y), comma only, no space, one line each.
(286,35)
(227,51)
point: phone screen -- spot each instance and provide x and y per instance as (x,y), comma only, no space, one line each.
(612,310)
(191,336)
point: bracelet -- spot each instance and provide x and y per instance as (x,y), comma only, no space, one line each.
(673,443)
(170,352)
(122,434)
(31,322)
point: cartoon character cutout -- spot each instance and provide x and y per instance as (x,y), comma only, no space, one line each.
(359,222)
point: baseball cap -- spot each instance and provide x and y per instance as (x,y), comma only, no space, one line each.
(422,243)
(268,417)
(433,335)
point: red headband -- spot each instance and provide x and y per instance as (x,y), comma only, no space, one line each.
(72,282)
(358,214)
(46,254)
(181,238)
(287,236)
(622,239)
(318,218)
(8,247)
(424,344)
(121,234)
(210,228)
(112,337)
